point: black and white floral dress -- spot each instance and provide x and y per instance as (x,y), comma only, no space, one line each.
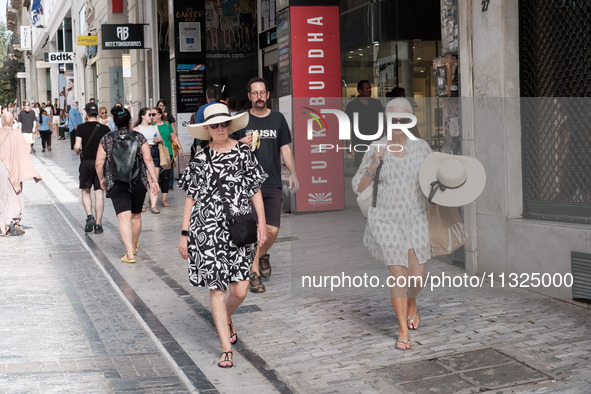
(214,260)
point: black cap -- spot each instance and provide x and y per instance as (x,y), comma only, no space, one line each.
(91,109)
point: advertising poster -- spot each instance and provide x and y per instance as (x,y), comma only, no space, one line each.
(230,25)
(116,84)
(190,36)
(188,88)
(191,86)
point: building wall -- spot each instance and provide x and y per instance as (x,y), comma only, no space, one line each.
(502,241)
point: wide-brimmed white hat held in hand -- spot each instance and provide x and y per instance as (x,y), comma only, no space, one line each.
(451,180)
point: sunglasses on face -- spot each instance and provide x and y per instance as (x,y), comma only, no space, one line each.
(154,114)
(401,121)
(223,124)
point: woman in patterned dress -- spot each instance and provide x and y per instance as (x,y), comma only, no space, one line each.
(215,262)
(397,231)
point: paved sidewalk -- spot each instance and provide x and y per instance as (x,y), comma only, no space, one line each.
(66,323)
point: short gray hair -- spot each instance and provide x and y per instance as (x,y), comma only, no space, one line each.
(400,103)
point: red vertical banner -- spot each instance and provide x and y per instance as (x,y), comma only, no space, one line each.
(316,81)
(117,6)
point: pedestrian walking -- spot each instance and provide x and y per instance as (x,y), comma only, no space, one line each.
(111,122)
(397,231)
(56,115)
(215,261)
(212,97)
(28,124)
(74,120)
(369,111)
(88,137)
(168,136)
(103,116)
(144,126)
(123,162)
(270,146)
(63,128)
(45,128)
(15,167)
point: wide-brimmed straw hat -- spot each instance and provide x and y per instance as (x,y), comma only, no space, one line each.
(451,180)
(218,113)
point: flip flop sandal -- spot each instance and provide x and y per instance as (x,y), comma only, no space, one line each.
(233,337)
(126,260)
(154,210)
(411,322)
(226,360)
(404,342)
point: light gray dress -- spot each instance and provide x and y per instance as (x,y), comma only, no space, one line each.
(399,220)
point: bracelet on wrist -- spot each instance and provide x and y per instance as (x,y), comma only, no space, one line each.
(184,233)
(371,174)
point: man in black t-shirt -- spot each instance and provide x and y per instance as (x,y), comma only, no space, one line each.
(271,145)
(88,137)
(27,121)
(368,110)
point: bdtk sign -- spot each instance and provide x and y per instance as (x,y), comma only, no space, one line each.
(59,57)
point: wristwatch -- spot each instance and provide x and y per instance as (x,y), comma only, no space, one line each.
(371,174)
(185,233)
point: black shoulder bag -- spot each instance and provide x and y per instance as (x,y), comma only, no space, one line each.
(243,228)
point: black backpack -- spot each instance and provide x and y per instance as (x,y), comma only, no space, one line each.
(126,166)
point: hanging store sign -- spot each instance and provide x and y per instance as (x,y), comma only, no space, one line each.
(26,41)
(316,80)
(123,36)
(59,57)
(86,40)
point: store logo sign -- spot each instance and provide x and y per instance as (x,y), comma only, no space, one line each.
(123,33)
(60,57)
(320,198)
(129,36)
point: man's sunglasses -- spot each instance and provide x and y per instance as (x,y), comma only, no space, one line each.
(223,124)
(154,114)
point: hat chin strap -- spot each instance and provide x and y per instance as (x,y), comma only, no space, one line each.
(438,185)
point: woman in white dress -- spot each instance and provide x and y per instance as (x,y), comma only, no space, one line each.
(397,232)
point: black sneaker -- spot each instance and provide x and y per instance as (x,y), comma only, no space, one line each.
(98,229)
(265,266)
(256,283)
(90,222)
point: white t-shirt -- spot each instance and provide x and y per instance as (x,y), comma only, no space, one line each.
(149,132)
